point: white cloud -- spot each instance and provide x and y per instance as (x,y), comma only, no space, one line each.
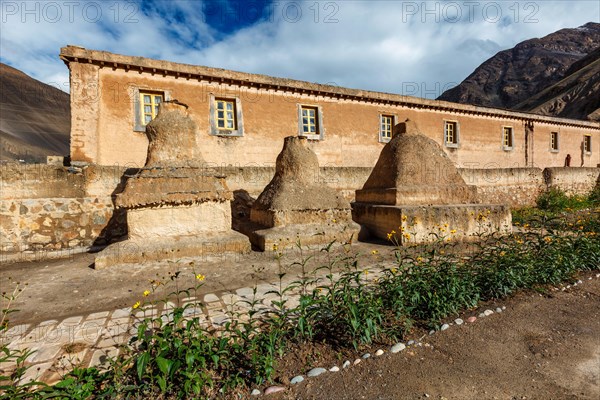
(394,46)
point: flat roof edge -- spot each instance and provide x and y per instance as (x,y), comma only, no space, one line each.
(79,54)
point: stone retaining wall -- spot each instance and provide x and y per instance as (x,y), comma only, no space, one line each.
(49,208)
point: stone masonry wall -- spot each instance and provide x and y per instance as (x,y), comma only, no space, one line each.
(48,208)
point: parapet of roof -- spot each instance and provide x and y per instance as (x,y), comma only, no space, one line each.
(70,54)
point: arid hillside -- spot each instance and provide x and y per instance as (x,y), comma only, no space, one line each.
(34,118)
(575,96)
(557,75)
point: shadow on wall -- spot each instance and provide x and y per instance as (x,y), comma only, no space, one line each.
(240,209)
(116,228)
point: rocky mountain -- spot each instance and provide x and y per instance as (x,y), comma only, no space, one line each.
(577,95)
(556,75)
(35,118)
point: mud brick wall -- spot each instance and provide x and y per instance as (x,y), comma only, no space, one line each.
(253,179)
(517,187)
(572,181)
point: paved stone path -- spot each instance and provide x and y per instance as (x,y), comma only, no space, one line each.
(90,340)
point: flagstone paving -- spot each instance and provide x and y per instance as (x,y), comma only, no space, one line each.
(91,340)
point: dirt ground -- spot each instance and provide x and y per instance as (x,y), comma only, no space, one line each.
(68,287)
(540,347)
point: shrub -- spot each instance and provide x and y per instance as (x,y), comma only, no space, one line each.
(176,356)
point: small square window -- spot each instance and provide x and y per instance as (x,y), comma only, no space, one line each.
(310,122)
(554,141)
(587,144)
(507,138)
(451,133)
(386,126)
(225,116)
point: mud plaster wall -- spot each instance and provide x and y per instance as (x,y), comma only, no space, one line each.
(103,125)
(517,187)
(51,208)
(573,180)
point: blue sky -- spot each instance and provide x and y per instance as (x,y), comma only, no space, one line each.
(417,48)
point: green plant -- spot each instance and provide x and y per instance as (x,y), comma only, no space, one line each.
(341,301)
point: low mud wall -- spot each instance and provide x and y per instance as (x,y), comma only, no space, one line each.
(517,187)
(572,181)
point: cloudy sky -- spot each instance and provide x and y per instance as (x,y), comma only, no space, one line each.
(415,48)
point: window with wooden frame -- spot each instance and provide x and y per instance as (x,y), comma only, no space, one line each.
(554,141)
(149,104)
(146,103)
(451,133)
(386,125)
(587,144)
(310,122)
(225,116)
(507,137)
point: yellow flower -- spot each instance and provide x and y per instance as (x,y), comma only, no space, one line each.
(136,305)
(502,253)
(404,218)
(419,259)
(453,231)
(548,239)
(389,235)
(394,270)
(407,236)
(393,232)
(374,252)
(274,247)
(146,293)
(200,277)
(366,271)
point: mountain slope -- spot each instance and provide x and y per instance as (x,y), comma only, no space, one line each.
(35,118)
(576,96)
(511,78)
